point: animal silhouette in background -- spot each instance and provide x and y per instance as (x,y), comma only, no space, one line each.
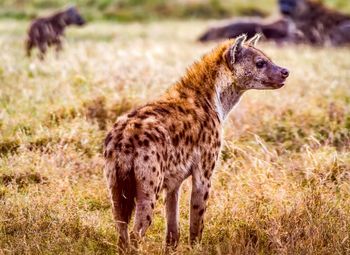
(318,24)
(48,31)
(303,21)
(157,146)
(276,30)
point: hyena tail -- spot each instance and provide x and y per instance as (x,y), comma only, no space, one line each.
(122,188)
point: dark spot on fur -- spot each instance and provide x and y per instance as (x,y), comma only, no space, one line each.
(150,136)
(183,95)
(195,207)
(162,111)
(146,142)
(132,114)
(108,139)
(181,109)
(145,158)
(201,212)
(176,140)
(206,195)
(172,128)
(149,219)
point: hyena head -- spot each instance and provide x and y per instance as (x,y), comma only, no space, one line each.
(73,17)
(251,68)
(293,8)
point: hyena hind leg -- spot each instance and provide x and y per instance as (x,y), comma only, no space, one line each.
(122,193)
(145,202)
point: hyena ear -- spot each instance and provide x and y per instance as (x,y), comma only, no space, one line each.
(254,40)
(235,49)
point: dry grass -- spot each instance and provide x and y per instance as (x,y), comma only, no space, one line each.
(283,184)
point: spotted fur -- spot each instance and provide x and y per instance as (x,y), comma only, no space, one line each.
(157,146)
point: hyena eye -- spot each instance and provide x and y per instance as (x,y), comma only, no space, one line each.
(260,63)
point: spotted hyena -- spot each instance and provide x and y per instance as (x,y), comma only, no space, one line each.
(48,31)
(157,146)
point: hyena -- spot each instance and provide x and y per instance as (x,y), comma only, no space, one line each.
(318,24)
(157,146)
(276,31)
(44,32)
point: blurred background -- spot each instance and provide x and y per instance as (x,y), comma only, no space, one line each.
(146,10)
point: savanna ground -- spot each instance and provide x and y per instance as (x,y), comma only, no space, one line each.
(283,185)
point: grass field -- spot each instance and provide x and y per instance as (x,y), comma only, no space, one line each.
(283,185)
(146,10)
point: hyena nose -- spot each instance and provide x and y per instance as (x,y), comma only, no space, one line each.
(285,73)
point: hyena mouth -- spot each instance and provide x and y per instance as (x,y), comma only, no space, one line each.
(276,85)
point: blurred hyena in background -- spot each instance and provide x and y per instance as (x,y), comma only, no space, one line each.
(302,21)
(318,24)
(48,31)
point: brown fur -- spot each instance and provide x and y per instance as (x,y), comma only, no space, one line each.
(48,31)
(157,146)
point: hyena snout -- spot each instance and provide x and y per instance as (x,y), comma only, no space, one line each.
(280,74)
(284,73)
(80,21)
(276,77)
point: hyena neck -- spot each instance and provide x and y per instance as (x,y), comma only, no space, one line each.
(209,84)
(226,93)
(59,20)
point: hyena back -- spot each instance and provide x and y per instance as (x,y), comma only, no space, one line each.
(159,145)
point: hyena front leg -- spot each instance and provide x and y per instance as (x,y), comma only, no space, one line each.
(172,214)
(199,196)
(59,46)
(29,47)
(42,49)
